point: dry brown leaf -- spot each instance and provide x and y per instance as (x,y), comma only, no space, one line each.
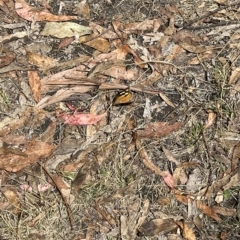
(48,135)
(11,139)
(35,85)
(61,95)
(43,62)
(7,126)
(100,44)
(211,191)
(62,186)
(65,42)
(202,57)
(166,100)
(234,180)
(12,197)
(211,119)
(188,232)
(106,215)
(103,32)
(192,46)
(234,76)
(83,10)
(146,25)
(109,66)
(137,216)
(179,175)
(235,157)
(84,175)
(7,58)
(156,226)
(170,30)
(38,14)
(170,156)
(224,211)
(182,198)
(146,160)
(208,211)
(158,129)
(33,151)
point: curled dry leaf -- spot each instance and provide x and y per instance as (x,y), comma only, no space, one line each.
(211,119)
(38,14)
(168,179)
(35,85)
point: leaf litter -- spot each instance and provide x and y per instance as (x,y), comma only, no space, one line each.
(174,144)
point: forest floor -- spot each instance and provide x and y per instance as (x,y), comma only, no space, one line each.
(119,119)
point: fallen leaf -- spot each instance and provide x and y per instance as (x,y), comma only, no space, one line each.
(168,179)
(12,197)
(35,85)
(12,139)
(38,14)
(81,118)
(166,100)
(188,232)
(65,42)
(145,158)
(100,44)
(234,76)
(211,119)
(7,58)
(235,157)
(62,94)
(65,29)
(156,226)
(83,10)
(208,211)
(41,61)
(224,211)
(33,151)
(158,129)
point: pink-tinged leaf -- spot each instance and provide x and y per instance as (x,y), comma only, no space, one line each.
(30,13)
(26,188)
(43,187)
(81,118)
(168,179)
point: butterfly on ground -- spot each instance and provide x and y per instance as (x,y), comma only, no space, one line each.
(123,98)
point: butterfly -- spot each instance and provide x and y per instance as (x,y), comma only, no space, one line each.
(123,98)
